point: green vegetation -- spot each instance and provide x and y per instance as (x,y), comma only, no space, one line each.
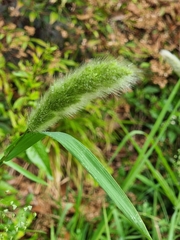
(135,136)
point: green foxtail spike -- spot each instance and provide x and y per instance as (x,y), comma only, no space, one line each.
(66,96)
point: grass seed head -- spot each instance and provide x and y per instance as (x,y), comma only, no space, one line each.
(66,96)
(173,61)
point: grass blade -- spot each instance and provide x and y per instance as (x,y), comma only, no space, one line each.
(100,174)
(128,136)
(143,156)
(156,174)
(169,192)
(100,228)
(173,225)
(25,172)
(37,155)
(20,145)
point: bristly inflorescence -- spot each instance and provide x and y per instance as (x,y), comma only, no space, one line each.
(173,61)
(66,96)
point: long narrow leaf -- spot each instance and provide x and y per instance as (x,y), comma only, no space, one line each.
(25,172)
(20,145)
(24,142)
(37,155)
(100,174)
(170,194)
(156,174)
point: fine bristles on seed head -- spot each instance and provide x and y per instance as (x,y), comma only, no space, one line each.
(173,61)
(65,97)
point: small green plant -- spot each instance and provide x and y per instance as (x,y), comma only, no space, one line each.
(95,79)
(13,221)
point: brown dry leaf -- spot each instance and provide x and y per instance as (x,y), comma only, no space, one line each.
(153,2)
(162,72)
(87,15)
(83,17)
(1,23)
(11,26)
(122,39)
(63,32)
(160,68)
(14,12)
(41,204)
(134,8)
(30,30)
(160,80)
(147,21)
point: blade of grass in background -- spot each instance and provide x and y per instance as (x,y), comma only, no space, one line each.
(108,237)
(167,189)
(173,225)
(153,147)
(143,155)
(25,172)
(100,228)
(167,166)
(155,232)
(37,155)
(128,136)
(24,142)
(62,218)
(100,174)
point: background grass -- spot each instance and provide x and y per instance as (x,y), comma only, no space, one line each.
(133,138)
